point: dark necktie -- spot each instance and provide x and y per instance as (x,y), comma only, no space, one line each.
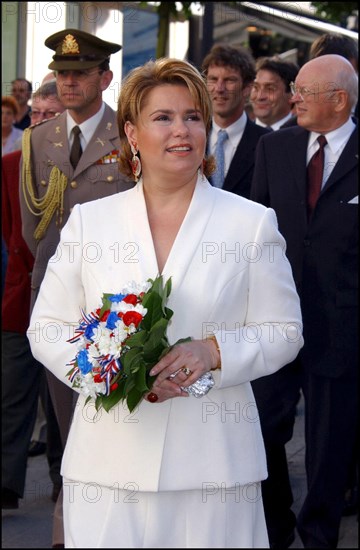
(76,150)
(217,178)
(315,172)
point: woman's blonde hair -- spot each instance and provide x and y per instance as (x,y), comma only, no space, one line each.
(141,81)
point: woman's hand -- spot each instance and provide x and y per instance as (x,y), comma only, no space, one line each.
(182,366)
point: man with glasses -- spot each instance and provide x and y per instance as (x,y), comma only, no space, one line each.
(309,175)
(230,74)
(70,159)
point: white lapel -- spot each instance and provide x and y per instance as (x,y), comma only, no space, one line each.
(187,240)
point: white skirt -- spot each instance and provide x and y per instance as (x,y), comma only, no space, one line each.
(214,517)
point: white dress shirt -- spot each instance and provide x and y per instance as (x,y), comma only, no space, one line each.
(336,141)
(87,127)
(235,132)
(276,125)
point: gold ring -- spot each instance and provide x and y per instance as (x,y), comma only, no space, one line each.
(186,371)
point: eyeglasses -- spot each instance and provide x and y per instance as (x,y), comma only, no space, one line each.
(306,92)
(44,114)
(77,74)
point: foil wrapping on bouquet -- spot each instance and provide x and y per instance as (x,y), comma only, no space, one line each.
(201,386)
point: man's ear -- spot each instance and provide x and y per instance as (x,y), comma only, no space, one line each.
(106,79)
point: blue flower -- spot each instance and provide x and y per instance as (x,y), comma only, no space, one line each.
(82,360)
(117,297)
(90,330)
(112,320)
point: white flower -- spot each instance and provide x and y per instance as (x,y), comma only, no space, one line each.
(133,287)
(89,387)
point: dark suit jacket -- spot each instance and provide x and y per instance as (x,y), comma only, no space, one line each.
(323,251)
(16,297)
(239,176)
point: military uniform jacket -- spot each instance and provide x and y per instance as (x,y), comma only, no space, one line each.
(96,175)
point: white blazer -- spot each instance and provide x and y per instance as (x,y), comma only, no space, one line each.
(230,277)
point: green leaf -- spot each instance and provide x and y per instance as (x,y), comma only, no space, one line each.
(168,313)
(167,288)
(133,399)
(140,380)
(109,401)
(153,303)
(137,339)
(131,361)
(129,385)
(106,304)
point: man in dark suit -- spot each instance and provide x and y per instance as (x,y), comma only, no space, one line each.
(230,74)
(322,246)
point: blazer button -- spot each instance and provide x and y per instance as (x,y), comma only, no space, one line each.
(73,184)
(43,183)
(110,179)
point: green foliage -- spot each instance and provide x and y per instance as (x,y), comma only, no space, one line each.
(143,349)
(336,12)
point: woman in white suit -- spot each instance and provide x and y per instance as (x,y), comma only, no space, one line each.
(180,471)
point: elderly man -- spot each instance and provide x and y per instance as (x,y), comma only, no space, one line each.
(309,175)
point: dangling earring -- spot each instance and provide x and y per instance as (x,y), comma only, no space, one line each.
(135,163)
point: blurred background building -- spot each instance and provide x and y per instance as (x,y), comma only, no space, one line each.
(266,28)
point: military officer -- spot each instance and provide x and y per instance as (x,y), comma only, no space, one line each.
(70,159)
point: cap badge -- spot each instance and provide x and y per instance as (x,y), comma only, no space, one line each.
(70,45)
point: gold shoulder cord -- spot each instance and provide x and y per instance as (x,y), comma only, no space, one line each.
(54,197)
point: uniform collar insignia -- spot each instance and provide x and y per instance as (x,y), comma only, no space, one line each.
(57,129)
(98,140)
(109,125)
(69,45)
(58,144)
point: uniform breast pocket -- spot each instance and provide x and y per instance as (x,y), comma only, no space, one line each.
(103,174)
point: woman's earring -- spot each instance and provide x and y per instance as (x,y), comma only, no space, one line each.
(135,163)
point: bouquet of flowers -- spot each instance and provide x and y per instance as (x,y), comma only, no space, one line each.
(120,342)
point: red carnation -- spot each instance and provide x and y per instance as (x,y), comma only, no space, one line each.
(105,315)
(130,299)
(114,386)
(97,378)
(132,317)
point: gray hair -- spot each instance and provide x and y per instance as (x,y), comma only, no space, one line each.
(47,89)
